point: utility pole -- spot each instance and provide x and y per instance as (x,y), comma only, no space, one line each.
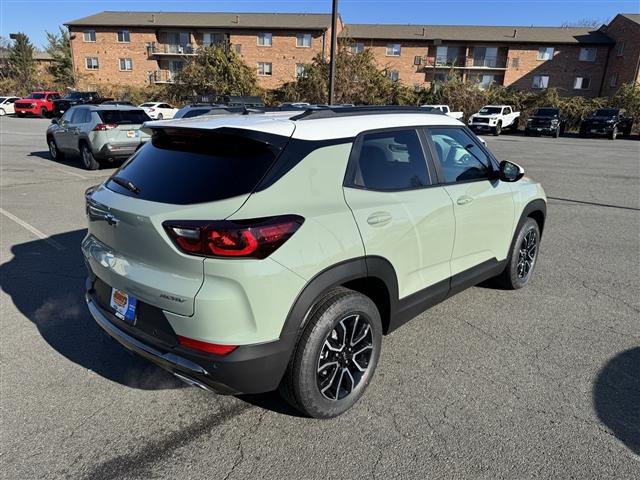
(332,52)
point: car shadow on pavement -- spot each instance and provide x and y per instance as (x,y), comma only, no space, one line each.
(72,160)
(616,397)
(45,280)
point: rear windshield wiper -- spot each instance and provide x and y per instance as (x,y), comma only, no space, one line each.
(128,184)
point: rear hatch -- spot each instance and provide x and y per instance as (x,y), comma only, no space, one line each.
(124,125)
(182,174)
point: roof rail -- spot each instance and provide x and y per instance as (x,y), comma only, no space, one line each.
(335,111)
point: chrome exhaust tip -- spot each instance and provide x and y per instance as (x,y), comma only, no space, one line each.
(193,382)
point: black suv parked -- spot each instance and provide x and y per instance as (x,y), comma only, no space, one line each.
(75,98)
(545,121)
(607,121)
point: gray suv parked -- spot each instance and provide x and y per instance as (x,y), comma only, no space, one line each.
(97,133)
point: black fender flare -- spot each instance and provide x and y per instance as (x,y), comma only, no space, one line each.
(537,205)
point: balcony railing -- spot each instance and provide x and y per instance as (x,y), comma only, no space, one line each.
(171,49)
(163,76)
(498,62)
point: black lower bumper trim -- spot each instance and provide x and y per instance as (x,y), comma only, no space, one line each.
(248,369)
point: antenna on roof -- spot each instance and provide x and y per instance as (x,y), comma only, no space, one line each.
(515,32)
(424,31)
(153,18)
(237,19)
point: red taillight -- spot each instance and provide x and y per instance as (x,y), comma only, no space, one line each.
(207,347)
(101,127)
(256,238)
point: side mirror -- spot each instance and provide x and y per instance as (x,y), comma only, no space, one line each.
(54,121)
(510,172)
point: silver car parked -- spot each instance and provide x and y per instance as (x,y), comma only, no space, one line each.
(97,133)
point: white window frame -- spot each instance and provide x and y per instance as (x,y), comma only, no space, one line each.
(301,39)
(578,83)
(264,70)
(543,53)
(585,57)
(90,33)
(97,63)
(264,36)
(542,84)
(613,81)
(356,47)
(620,49)
(391,49)
(394,75)
(125,61)
(125,34)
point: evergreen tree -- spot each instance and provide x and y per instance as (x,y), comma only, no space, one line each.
(22,65)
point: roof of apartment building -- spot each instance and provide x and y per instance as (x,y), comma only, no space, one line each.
(308,21)
(476,33)
(634,17)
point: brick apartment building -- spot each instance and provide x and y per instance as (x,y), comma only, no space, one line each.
(139,48)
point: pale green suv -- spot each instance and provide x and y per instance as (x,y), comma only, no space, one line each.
(250,253)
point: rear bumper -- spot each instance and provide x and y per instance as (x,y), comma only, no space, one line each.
(116,150)
(248,369)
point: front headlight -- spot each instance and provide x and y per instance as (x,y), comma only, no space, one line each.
(33,105)
(611,120)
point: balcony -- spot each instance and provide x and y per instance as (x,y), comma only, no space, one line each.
(170,49)
(163,76)
(471,62)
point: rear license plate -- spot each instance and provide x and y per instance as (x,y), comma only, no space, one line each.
(131,133)
(123,304)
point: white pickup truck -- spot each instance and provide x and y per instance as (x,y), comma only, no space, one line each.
(494,118)
(445,109)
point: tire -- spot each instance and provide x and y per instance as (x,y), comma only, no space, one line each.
(497,130)
(88,160)
(20,115)
(556,134)
(614,133)
(338,316)
(522,259)
(159,117)
(54,151)
(2,112)
(43,113)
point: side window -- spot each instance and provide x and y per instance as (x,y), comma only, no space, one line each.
(459,156)
(507,110)
(391,160)
(66,118)
(78,116)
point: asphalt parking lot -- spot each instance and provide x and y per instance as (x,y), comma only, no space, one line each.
(539,383)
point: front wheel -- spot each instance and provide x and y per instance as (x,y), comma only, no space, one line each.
(523,256)
(497,130)
(336,356)
(89,162)
(2,112)
(54,151)
(556,134)
(43,113)
(159,117)
(614,133)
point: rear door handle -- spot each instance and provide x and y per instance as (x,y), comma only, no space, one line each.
(379,219)
(464,200)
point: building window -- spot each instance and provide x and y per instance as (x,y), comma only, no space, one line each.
(357,47)
(92,63)
(264,69)
(581,83)
(300,70)
(126,64)
(303,40)
(440,77)
(394,75)
(123,36)
(588,54)
(515,62)
(89,36)
(620,49)
(265,39)
(211,39)
(540,82)
(393,50)
(545,53)
(613,82)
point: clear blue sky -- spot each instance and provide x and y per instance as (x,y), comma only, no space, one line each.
(35,16)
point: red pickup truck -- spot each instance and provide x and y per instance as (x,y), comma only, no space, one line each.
(36,103)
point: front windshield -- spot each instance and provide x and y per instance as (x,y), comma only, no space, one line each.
(491,110)
(2,99)
(605,112)
(36,95)
(546,112)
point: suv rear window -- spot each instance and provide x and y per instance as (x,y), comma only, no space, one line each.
(123,117)
(186,167)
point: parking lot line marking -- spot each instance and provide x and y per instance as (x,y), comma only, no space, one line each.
(32,229)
